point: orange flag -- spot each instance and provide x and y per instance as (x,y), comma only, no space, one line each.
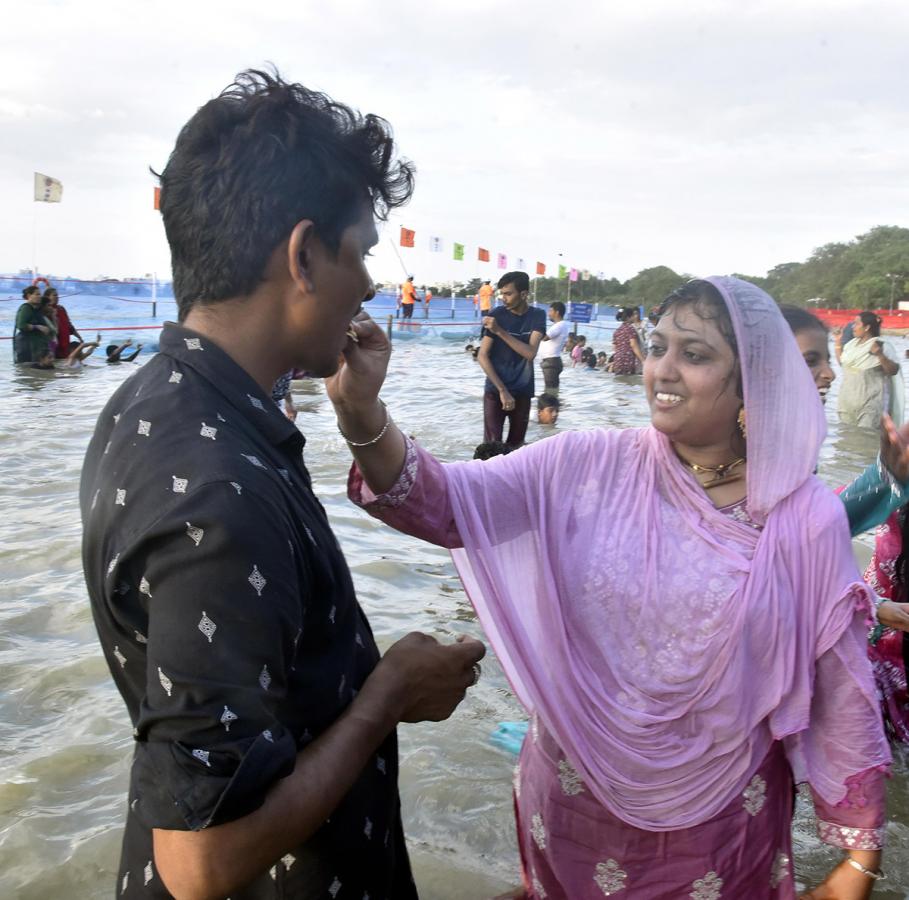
(482,255)
(157,198)
(541,268)
(407,237)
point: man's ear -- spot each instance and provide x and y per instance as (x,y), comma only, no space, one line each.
(300,247)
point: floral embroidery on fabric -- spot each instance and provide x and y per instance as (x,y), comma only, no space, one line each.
(120,657)
(208,431)
(202,756)
(120,497)
(334,887)
(207,627)
(400,490)
(538,831)
(780,870)
(610,878)
(707,888)
(755,795)
(538,888)
(288,860)
(144,587)
(254,460)
(166,683)
(264,678)
(850,838)
(149,872)
(144,427)
(256,402)
(180,484)
(195,533)
(569,779)
(227,717)
(175,377)
(193,344)
(257,580)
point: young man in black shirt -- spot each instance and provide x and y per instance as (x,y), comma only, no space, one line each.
(265,759)
(511,337)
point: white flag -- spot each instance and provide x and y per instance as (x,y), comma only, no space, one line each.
(435,244)
(47,189)
(520,265)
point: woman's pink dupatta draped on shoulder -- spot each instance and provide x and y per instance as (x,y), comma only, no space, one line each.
(665,644)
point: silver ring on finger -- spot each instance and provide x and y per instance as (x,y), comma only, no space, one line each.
(477,672)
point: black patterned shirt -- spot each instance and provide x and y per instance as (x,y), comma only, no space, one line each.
(227,616)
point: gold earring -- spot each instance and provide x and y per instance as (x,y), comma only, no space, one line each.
(741,423)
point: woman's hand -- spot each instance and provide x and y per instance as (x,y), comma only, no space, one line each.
(876,348)
(362,369)
(843,883)
(894,615)
(895,449)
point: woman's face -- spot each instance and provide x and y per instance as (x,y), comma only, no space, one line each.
(816,353)
(859,328)
(690,377)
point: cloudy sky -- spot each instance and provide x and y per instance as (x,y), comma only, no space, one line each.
(710,136)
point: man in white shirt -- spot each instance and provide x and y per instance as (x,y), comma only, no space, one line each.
(551,348)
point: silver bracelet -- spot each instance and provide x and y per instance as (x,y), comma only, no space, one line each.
(376,439)
(865,871)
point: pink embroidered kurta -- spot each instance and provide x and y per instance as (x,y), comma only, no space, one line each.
(886,653)
(573,847)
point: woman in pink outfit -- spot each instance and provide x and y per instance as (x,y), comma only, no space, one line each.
(677,607)
(888,575)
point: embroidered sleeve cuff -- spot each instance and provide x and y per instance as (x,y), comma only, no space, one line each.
(847,838)
(397,494)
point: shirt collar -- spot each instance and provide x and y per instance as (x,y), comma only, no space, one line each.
(208,360)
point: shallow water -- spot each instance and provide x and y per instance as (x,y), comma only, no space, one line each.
(65,738)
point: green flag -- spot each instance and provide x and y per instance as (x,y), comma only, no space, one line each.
(563,271)
(459,252)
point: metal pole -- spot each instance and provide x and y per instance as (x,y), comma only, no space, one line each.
(154,295)
(391,320)
(892,288)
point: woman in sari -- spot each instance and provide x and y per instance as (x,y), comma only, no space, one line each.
(626,343)
(676,606)
(872,380)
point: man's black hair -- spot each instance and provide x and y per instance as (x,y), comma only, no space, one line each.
(521,280)
(253,162)
(799,319)
(559,307)
(544,401)
(489,449)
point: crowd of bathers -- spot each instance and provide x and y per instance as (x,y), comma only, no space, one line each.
(45,337)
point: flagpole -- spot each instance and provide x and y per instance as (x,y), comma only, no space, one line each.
(34,240)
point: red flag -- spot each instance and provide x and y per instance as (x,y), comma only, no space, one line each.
(541,268)
(482,254)
(157,198)
(407,237)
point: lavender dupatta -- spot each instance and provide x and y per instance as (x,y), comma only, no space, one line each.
(664,644)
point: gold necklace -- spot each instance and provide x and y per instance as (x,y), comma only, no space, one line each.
(721,474)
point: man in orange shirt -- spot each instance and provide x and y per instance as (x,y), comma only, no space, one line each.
(408,297)
(485,298)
